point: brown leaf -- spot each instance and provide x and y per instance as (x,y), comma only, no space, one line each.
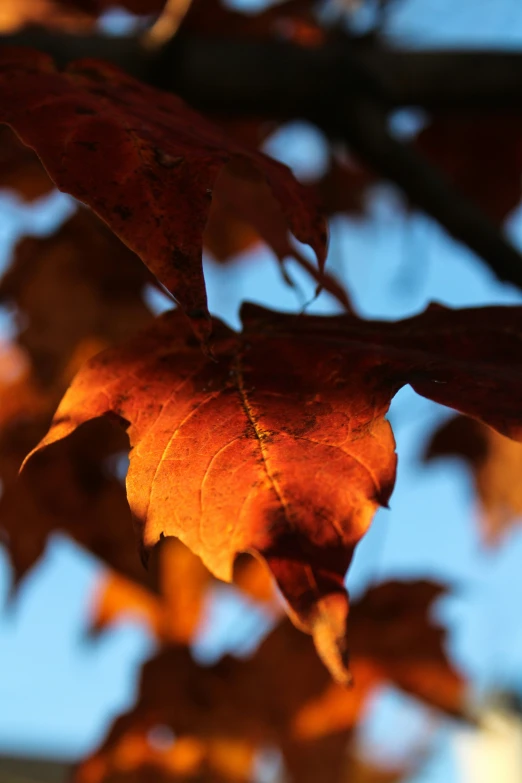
(343,188)
(67,289)
(496,465)
(282,447)
(391,624)
(70,490)
(282,696)
(176,613)
(80,283)
(175,610)
(242,214)
(20,169)
(143,161)
(482,156)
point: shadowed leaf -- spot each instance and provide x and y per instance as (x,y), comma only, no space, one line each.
(496,465)
(281,697)
(143,161)
(281,447)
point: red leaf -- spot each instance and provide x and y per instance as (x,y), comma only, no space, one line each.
(143,161)
(282,447)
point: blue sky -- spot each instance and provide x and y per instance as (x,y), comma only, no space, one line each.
(58,690)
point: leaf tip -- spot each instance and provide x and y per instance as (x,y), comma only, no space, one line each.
(330,636)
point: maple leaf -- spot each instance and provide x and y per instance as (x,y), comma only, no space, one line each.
(80,283)
(71,491)
(174,611)
(20,169)
(282,447)
(496,464)
(343,187)
(143,161)
(67,288)
(482,156)
(282,695)
(241,216)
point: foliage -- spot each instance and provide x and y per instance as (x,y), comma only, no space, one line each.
(272,441)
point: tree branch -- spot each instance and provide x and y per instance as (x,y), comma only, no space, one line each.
(345,88)
(366,130)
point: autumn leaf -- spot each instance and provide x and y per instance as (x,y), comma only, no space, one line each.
(282,447)
(71,491)
(392,623)
(240,216)
(482,156)
(174,611)
(343,187)
(282,696)
(496,465)
(67,290)
(79,283)
(20,169)
(145,162)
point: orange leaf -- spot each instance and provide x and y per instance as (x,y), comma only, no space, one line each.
(174,611)
(282,696)
(20,169)
(81,283)
(143,161)
(282,446)
(175,614)
(496,464)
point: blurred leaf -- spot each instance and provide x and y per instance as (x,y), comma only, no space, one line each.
(144,161)
(281,446)
(20,169)
(281,697)
(482,156)
(496,465)
(80,283)
(175,611)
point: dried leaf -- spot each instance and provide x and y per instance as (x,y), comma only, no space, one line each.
(174,614)
(281,447)
(482,156)
(175,610)
(143,161)
(70,490)
(67,289)
(80,283)
(257,208)
(496,464)
(343,188)
(281,697)
(20,169)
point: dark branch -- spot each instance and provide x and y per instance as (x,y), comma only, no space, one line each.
(346,89)
(365,129)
